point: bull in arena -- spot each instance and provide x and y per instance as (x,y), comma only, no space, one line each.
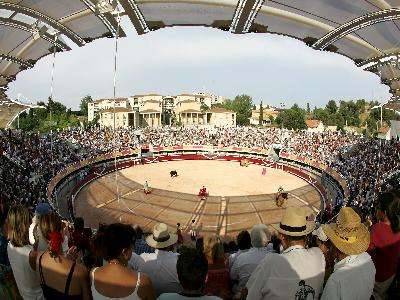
(173,173)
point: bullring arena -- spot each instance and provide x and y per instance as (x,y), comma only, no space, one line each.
(239,197)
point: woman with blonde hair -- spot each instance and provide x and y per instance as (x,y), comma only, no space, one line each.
(217,282)
(21,254)
(60,277)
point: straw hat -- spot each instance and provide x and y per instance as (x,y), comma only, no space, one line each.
(294,223)
(161,238)
(348,234)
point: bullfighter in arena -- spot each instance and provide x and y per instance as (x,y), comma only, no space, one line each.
(192,230)
(146,188)
(203,193)
(281,197)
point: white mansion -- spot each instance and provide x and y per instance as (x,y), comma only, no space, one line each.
(154,110)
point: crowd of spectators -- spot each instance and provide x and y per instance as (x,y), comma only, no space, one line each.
(294,259)
(30,160)
(365,166)
(54,259)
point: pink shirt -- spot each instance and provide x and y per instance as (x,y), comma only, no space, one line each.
(384,249)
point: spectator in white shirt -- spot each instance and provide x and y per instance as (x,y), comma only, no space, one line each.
(22,256)
(297,273)
(192,267)
(247,262)
(160,266)
(244,244)
(354,272)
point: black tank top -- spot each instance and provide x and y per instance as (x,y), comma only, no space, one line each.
(52,294)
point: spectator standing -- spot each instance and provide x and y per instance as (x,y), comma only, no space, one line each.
(192,270)
(22,255)
(298,272)
(353,276)
(160,266)
(217,282)
(60,277)
(384,247)
(247,262)
(116,280)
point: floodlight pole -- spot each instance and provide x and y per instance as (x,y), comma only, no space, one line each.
(380,78)
(51,97)
(114,95)
(282,107)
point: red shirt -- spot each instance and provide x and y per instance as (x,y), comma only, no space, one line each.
(384,249)
(217,283)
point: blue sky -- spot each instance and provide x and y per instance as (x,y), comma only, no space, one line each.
(170,61)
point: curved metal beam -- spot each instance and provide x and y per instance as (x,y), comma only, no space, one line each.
(23,63)
(50,21)
(357,24)
(107,19)
(245,14)
(9,123)
(314,23)
(135,15)
(25,27)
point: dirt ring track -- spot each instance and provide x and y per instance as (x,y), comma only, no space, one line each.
(239,196)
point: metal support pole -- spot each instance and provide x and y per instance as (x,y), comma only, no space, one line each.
(114,96)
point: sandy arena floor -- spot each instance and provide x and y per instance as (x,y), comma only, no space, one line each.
(239,196)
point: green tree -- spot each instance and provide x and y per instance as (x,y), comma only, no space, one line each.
(332,107)
(373,103)
(293,118)
(83,106)
(54,116)
(55,107)
(261,115)
(308,108)
(350,112)
(242,105)
(322,115)
(361,105)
